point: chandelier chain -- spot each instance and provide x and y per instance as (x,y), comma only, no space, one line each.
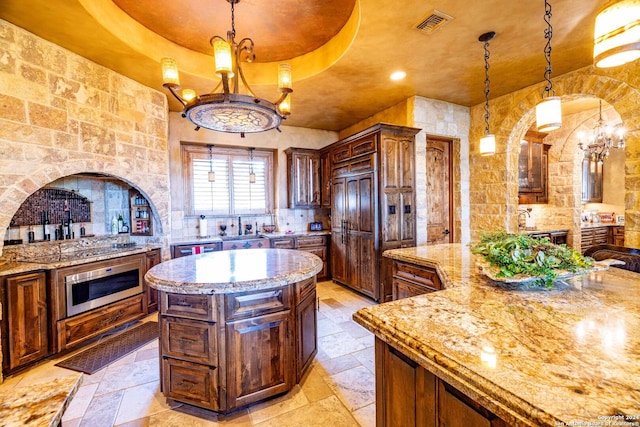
(487,84)
(233,18)
(548,34)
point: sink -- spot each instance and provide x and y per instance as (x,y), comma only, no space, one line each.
(243,237)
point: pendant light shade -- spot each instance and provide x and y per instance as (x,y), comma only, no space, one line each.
(549,114)
(488,145)
(488,141)
(617,34)
(549,109)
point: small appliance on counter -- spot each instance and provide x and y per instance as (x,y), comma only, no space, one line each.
(315,226)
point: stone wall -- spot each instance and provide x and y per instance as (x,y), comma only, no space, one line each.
(494,185)
(61,114)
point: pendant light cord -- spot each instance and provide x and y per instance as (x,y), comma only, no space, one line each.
(487,84)
(548,34)
(485,38)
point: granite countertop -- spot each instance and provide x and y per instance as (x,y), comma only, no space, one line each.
(233,271)
(67,259)
(41,404)
(542,230)
(599,224)
(532,356)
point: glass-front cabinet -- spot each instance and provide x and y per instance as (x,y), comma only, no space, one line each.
(591,181)
(532,169)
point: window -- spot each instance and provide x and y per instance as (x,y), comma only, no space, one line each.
(231,193)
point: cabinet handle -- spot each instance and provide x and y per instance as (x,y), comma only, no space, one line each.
(184,303)
(186,384)
(186,341)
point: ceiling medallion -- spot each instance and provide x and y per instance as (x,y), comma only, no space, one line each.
(225,109)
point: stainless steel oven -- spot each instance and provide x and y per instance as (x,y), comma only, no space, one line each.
(86,290)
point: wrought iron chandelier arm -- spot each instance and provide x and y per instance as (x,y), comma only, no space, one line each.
(173,89)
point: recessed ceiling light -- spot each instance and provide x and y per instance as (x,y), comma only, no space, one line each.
(398,75)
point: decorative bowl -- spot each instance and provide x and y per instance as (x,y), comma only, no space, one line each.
(268,228)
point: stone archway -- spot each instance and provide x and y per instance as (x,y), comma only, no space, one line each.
(498,191)
(155,190)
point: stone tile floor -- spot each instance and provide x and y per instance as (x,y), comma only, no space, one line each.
(339,389)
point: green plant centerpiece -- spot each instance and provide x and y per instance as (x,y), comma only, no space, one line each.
(535,261)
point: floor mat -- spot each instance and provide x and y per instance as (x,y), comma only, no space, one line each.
(111,349)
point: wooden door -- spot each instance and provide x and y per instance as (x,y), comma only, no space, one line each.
(262,365)
(361,248)
(27,300)
(307,325)
(439,191)
(151,294)
(338,231)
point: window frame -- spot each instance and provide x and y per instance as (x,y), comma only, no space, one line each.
(190,151)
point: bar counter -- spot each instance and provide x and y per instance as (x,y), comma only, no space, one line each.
(532,356)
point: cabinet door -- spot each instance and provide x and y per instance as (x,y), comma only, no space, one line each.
(338,231)
(27,311)
(261,364)
(153,258)
(532,169)
(304,178)
(325,176)
(591,181)
(306,324)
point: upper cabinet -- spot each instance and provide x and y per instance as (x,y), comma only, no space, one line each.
(591,181)
(303,178)
(533,169)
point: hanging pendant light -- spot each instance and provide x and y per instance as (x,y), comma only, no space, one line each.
(617,34)
(549,109)
(488,141)
(211,177)
(252,175)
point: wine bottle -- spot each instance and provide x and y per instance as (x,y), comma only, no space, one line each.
(46,233)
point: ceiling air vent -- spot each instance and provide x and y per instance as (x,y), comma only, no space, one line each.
(434,21)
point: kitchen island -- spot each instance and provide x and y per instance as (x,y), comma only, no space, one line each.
(236,326)
(479,353)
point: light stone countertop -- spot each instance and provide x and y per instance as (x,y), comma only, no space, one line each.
(216,239)
(233,271)
(86,255)
(37,405)
(534,357)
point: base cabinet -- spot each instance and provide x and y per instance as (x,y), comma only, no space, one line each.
(153,258)
(24,302)
(409,280)
(407,395)
(222,352)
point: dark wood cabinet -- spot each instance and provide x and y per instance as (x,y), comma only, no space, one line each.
(225,351)
(325,177)
(558,237)
(617,235)
(407,395)
(533,169)
(151,295)
(315,244)
(409,280)
(303,178)
(372,209)
(178,251)
(591,181)
(594,236)
(25,333)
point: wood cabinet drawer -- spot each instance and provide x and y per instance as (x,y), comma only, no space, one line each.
(249,304)
(191,383)
(304,288)
(341,169)
(178,251)
(340,154)
(422,275)
(618,231)
(283,243)
(199,307)
(87,325)
(306,241)
(406,289)
(602,231)
(364,146)
(190,340)
(363,165)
